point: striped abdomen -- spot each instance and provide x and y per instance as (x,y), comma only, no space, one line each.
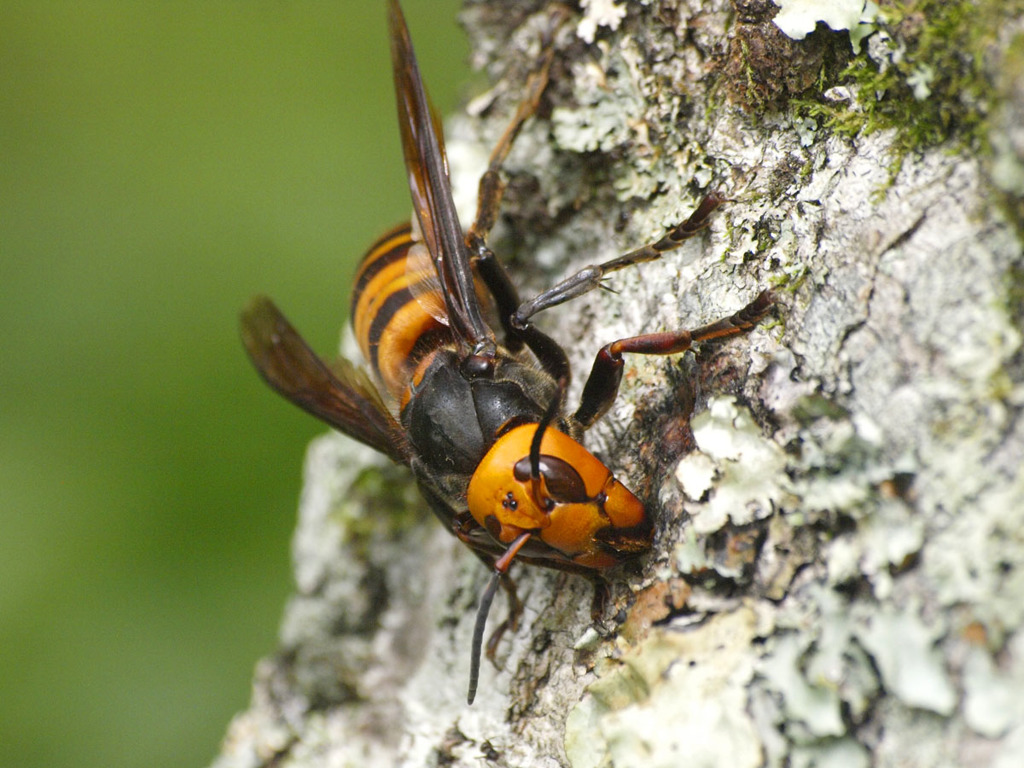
(398,312)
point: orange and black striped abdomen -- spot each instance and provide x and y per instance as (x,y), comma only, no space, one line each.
(397,308)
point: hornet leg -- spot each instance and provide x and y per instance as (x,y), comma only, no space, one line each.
(590,277)
(603,384)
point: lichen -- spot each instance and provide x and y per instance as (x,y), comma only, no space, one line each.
(798,18)
(922,75)
(747,465)
(992,701)
(679,698)
(599,13)
(1007,133)
(813,706)
(903,649)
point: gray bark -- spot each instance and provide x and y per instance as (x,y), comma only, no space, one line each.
(838,573)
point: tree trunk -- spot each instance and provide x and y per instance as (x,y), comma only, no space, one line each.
(838,571)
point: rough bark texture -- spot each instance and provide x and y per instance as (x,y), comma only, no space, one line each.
(838,573)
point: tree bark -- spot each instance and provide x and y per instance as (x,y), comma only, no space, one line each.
(838,572)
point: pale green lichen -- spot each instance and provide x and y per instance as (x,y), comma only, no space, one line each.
(992,701)
(598,121)
(608,103)
(977,561)
(815,670)
(798,18)
(886,539)
(679,698)
(696,475)
(599,13)
(747,464)
(903,648)
(835,753)
(690,555)
(815,706)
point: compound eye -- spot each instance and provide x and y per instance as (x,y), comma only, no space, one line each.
(561,480)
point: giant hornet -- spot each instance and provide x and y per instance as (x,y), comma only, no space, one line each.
(477,412)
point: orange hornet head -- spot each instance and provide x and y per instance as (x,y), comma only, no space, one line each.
(580,509)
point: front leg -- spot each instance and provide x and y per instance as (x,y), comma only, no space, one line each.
(589,278)
(603,384)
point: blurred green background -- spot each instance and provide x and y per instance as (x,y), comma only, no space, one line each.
(160,162)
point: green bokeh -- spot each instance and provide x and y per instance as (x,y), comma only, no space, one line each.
(160,162)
